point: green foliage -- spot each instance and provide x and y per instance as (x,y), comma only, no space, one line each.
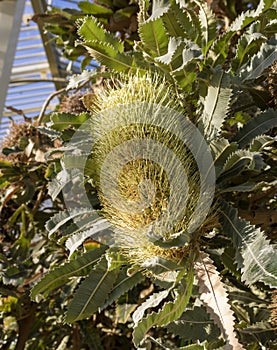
(92,292)
(255,127)
(254,253)
(169,312)
(194,325)
(213,70)
(81,266)
(216,103)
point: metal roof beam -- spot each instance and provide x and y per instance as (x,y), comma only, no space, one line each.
(10,20)
(39,7)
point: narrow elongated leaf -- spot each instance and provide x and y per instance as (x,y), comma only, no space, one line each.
(91,30)
(245,187)
(169,312)
(255,127)
(80,266)
(216,104)
(122,285)
(214,296)
(220,48)
(254,254)
(92,292)
(239,155)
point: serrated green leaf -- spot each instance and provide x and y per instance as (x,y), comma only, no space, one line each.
(76,80)
(216,103)
(221,150)
(208,26)
(107,55)
(260,61)
(194,325)
(80,266)
(92,292)
(256,126)
(173,44)
(49,132)
(171,23)
(154,37)
(239,161)
(191,22)
(180,60)
(79,224)
(179,22)
(271,27)
(159,7)
(169,312)
(60,181)
(228,259)
(90,29)
(250,16)
(61,218)
(97,231)
(153,301)
(260,142)
(247,46)
(220,48)
(122,285)
(254,254)
(237,156)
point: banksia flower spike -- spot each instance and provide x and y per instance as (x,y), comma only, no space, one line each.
(147,177)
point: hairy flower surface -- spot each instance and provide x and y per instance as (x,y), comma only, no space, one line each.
(147,177)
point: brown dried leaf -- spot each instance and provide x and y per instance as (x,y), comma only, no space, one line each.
(215,298)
